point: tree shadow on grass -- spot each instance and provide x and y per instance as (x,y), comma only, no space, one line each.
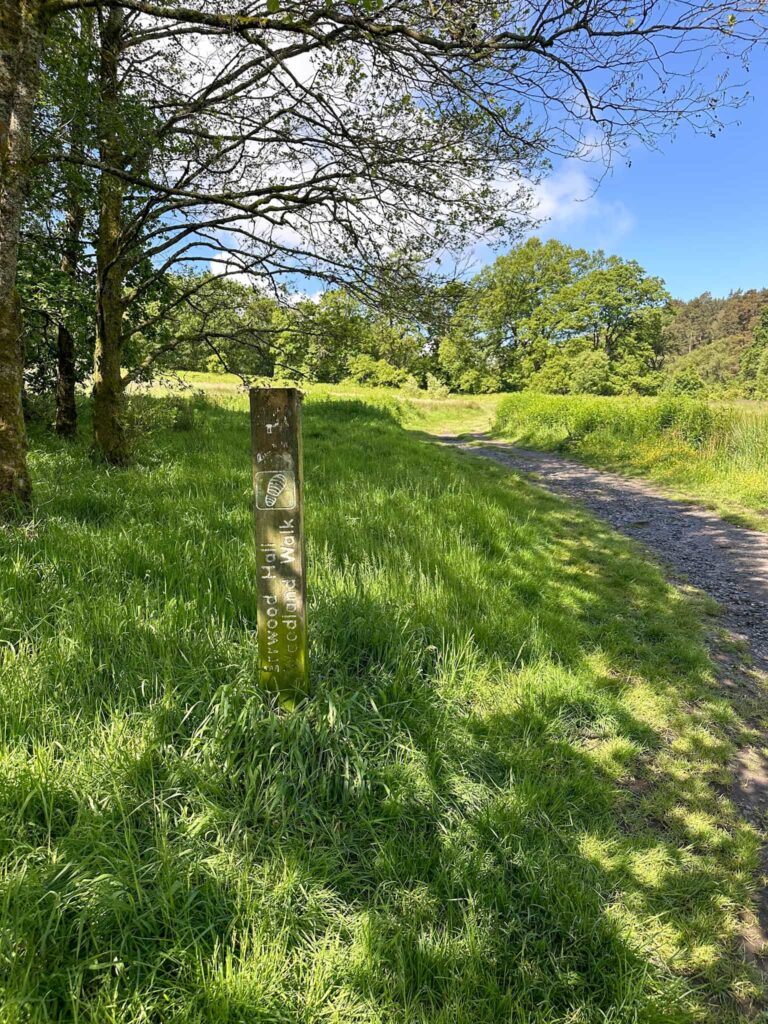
(497,804)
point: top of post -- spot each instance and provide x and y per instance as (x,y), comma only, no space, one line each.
(273,390)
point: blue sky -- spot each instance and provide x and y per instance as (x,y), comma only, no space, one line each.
(694,213)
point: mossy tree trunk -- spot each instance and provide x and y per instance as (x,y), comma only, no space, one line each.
(21,30)
(108,388)
(65,422)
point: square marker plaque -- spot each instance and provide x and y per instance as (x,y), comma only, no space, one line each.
(275,490)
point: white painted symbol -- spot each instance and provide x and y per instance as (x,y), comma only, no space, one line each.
(275,490)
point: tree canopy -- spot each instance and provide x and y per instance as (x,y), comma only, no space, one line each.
(535,309)
(351,143)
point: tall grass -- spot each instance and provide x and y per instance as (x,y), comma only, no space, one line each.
(415,408)
(714,451)
(499,803)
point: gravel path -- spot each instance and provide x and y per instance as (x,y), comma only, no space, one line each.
(728,562)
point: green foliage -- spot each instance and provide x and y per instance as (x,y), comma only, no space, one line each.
(611,305)
(499,804)
(436,388)
(319,342)
(761,378)
(54,276)
(553,318)
(147,419)
(543,317)
(221,325)
(528,320)
(575,368)
(590,372)
(553,377)
(377,373)
(213,364)
(706,320)
(715,339)
(716,452)
(469,369)
(636,372)
(486,341)
(717,364)
(754,362)
(51,297)
(685,381)
(320,337)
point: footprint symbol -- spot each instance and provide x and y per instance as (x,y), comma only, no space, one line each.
(275,488)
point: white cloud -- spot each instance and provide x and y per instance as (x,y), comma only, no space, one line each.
(569,202)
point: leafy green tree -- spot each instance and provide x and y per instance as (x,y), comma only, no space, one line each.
(55,280)
(395,342)
(740,313)
(437,306)
(754,361)
(220,324)
(609,305)
(761,377)
(717,364)
(589,373)
(377,373)
(712,337)
(489,335)
(686,381)
(319,338)
(693,323)
(574,368)
(528,316)
(553,378)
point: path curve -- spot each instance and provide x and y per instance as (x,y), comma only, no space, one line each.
(726,561)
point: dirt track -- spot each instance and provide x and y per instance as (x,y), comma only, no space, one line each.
(728,562)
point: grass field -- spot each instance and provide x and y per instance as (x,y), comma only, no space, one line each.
(716,453)
(419,411)
(502,802)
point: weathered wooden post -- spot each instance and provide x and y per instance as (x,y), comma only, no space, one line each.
(281,578)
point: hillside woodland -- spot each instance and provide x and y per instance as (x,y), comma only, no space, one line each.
(543,317)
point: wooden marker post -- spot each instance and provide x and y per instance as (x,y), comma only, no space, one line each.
(281,578)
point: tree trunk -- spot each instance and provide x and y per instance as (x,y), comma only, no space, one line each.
(20,44)
(65,423)
(108,432)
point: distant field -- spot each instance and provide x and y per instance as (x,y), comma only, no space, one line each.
(712,452)
(501,803)
(715,452)
(420,410)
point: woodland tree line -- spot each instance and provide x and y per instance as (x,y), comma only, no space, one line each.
(169,172)
(543,317)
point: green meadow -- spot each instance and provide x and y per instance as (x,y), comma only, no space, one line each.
(713,452)
(504,801)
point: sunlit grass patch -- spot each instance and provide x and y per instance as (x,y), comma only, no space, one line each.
(500,803)
(715,452)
